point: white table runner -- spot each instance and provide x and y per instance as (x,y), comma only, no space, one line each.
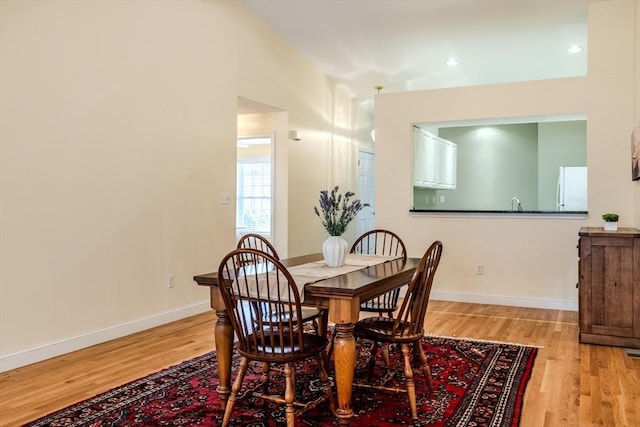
(315,271)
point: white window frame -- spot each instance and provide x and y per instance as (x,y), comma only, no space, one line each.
(241,228)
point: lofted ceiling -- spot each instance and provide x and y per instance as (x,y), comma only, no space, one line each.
(404,45)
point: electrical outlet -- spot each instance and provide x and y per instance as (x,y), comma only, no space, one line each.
(225,198)
(442,198)
(479,269)
(171,281)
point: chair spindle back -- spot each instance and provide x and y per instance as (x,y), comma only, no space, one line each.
(258,242)
(414,305)
(251,282)
(380,242)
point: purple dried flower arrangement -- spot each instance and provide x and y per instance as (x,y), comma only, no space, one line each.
(336,211)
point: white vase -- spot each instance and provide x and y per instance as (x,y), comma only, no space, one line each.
(334,250)
(610,226)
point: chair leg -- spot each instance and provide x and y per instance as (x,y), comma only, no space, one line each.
(411,387)
(237,384)
(323,367)
(330,345)
(289,394)
(358,347)
(424,365)
(322,323)
(325,321)
(385,354)
(264,379)
(372,360)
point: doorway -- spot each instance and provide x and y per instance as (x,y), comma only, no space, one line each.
(366,191)
(255,122)
(254,186)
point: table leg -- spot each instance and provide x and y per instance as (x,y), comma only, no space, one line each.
(344,352)
(224,351)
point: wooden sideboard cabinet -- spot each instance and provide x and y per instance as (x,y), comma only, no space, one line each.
(609,286)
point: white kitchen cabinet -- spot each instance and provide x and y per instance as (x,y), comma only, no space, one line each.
(435,161)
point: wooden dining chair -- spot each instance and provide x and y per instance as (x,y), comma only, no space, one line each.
(405,330)
(247,287)
(318,317)
(258,242)
(381,242)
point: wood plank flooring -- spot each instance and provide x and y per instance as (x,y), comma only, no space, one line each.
(572,384)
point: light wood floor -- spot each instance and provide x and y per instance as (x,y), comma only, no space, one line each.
(572,384)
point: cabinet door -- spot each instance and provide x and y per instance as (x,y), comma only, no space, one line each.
(448,161)
(609,297)
(425,161)
(419,154)
(434,161)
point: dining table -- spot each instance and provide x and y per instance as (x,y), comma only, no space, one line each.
(341,294)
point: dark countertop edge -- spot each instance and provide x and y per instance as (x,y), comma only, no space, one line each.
(501,213)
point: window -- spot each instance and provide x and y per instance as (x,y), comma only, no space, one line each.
(254,189)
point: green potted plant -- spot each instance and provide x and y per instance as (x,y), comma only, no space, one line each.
(610,221)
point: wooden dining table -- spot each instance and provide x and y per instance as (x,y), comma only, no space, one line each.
(341,294)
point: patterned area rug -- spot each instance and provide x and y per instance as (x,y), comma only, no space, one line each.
(476,384)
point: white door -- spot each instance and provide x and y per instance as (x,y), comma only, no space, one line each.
(366,191)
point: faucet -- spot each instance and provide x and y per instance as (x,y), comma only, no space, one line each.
(518,204)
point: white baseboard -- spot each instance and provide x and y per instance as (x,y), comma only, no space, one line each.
(551,304)
(67,345)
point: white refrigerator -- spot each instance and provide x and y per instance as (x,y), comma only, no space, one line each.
(571,194)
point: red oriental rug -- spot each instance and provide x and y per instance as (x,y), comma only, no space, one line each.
(476,383)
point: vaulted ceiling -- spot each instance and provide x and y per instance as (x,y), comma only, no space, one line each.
(405,44)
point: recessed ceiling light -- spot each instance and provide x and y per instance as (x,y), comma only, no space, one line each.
(574,49)
(452,61)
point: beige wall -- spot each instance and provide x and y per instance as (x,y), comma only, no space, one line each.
(117,138)
(527,261)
